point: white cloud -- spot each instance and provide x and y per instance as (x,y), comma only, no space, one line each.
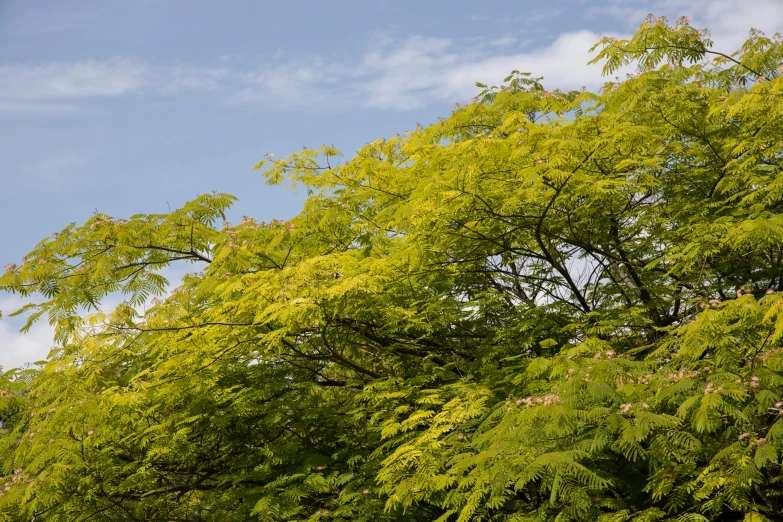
(531,18)
(417,71)
(503,41)
(41,88)
(187,78)
(409,74)
(392,75)
(415,74)
(728,20)
(22,107)
(230,58)
(72,80)
(16,348)
(295,83)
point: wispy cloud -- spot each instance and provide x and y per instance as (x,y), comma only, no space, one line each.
(408,74)
(181,78)
(503,41)
(23,107)
(42,88)
(72,80)
(727,20)
(411,73)
(17,348)
(303,82)
(403,76)
(393,74)
(420,71)
(532,18)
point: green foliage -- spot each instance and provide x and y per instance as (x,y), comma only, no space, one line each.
(549,306)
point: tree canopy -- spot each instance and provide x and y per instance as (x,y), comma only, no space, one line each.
(548,306)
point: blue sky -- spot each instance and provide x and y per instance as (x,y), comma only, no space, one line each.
(129,106)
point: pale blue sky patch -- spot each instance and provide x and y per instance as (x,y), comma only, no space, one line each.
(59,173)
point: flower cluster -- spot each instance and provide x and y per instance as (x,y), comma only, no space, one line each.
(657,19)
(546,400)
(233,241)
(684,373)
(683,20)
(752,441)
(626,408)
(18,477)
(106,220)
(645,379)
(776,408)
(710,388)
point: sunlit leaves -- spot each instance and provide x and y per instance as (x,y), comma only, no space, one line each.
(549,306)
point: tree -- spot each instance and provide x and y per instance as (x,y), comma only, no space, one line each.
(547,306)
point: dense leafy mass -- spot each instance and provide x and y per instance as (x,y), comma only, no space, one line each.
(547,306)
